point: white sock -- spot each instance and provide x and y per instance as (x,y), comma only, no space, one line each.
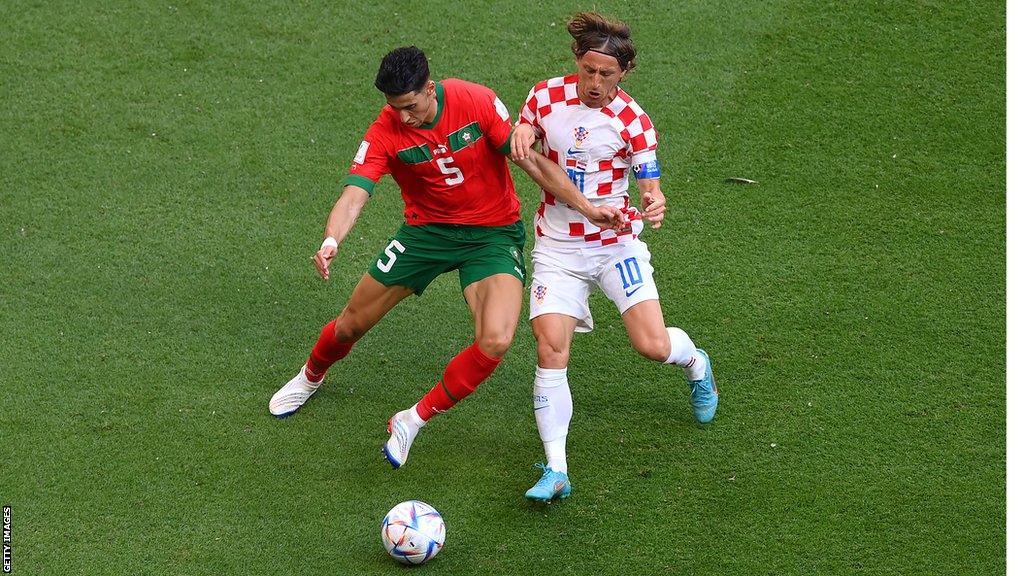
(412,418)
(684,353)
(552,407)
(309,381)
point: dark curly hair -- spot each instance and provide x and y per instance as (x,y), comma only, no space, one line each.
(402,70)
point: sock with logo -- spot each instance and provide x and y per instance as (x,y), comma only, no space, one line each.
(552,408)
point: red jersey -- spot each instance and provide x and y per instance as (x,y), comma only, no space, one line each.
(451,171)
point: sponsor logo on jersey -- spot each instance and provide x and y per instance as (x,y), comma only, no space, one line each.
(577,159)
(440,150)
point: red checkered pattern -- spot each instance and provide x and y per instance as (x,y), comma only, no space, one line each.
(597,147)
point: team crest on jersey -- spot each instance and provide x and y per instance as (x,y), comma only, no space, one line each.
(539,293)
(580,134)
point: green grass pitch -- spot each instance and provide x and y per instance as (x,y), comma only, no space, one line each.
(165,172)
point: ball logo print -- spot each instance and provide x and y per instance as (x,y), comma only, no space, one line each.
(412,532)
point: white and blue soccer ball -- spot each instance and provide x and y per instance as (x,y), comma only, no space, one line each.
(413,532)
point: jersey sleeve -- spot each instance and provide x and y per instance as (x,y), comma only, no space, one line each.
(371,160)
(641,138)
(495,121)
(530,112)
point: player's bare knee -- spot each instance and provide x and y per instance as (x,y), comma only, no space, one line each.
(348,327)
(549,355)
(654,348)
(496,344)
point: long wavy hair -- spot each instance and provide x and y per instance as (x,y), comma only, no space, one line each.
(592,31)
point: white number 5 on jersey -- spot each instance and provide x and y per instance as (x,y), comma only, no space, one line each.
(445,164)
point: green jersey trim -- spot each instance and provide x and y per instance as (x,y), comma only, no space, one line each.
(506,148)
(440,107)
(415,154)
(464,137)
(361,182)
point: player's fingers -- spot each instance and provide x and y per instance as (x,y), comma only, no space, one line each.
(322,264)
(654,210)
(524,143)
(315,260)
(517,146)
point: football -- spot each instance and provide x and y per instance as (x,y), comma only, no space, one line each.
(413,532)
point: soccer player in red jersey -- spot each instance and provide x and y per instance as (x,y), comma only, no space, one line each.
(598,134)
(444,143)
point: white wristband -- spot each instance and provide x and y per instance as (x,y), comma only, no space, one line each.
(329,241)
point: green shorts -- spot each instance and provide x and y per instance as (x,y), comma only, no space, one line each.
(416,255)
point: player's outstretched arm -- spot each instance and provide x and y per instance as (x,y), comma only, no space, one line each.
(652,201)
(553,179)
(343,216)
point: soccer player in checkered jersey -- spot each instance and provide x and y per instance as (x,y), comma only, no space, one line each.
(598,134)
(445,144)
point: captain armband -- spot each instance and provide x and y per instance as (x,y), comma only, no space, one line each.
(650,169)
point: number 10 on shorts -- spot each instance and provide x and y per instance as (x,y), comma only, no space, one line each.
(629,272)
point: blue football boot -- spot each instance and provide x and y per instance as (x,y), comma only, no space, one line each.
(704,393)
(552,485)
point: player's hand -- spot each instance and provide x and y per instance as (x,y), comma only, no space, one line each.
(322,260)
(608,217)
(522,140)
(653,206)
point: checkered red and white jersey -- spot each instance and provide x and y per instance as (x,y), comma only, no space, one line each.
(596,147)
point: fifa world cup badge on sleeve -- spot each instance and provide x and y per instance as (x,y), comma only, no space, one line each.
(361,153)
(499,107)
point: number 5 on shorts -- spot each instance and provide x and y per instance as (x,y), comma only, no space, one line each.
(385,267)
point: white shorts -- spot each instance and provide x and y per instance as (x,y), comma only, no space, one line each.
(564,278)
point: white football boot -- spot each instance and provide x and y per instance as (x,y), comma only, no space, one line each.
(293,395)
(403,428)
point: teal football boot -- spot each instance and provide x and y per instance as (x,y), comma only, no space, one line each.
(704,393)
(552,485)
